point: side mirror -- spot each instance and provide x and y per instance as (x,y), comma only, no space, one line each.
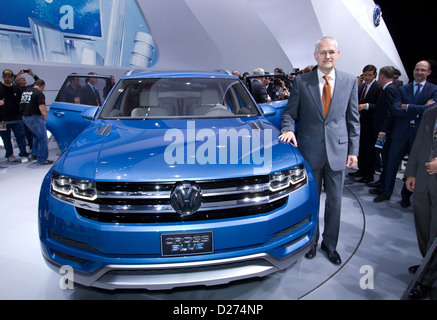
(268,110)
(89,113)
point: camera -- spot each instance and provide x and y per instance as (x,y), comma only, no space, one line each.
(26,70)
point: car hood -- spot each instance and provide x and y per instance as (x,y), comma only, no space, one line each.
(176,150)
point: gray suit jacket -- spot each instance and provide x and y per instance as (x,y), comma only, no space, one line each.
(338,135)
(421,151)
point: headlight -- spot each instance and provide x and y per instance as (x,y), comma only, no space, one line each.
(282,179)
(78,188)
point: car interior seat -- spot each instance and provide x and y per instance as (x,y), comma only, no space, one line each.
(149,106)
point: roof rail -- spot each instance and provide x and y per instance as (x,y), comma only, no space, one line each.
(223,71)
(135,71)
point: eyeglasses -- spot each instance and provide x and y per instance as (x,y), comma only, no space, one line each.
(421,70)
(324,53)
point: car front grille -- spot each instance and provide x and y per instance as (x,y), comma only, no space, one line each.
(136,202)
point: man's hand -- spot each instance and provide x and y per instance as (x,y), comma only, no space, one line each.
(288,136)
(351,161)
(429,102)
(381,136)
(431,167)
(410,183)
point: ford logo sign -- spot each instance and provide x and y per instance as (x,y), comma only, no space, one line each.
(186,198)
(377,14)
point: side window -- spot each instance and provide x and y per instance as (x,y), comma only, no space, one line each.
(245,106)
(86,90)
(231,100)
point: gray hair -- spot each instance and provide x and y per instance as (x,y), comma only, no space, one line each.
(259,71)
(316,49)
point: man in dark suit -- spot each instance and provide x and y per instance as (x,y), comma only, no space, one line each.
(259,89)
(368,94)
(88,94)
(421,173)
(382,120)
(326,103)
(411,101)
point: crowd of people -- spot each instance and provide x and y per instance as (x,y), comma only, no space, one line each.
(267,87)
(391,130)
(23,112)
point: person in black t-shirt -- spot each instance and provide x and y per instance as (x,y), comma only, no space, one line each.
(21,83)
(34,111)
(10,114)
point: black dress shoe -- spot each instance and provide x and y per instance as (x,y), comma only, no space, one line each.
(376,184)
(365,180)
(375,191)
(418,292)
(357,173)
(381,197)
(333,255)
(312,253)
(405,202)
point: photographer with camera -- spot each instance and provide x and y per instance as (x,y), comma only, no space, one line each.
(20,80)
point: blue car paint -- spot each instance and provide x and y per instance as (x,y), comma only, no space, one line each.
(72,122)
(139,145)
(277,108)
(133,151)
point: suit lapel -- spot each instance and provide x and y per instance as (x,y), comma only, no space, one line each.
(372,89)
(423,94)
(410,90)
(338,89)
(314,89)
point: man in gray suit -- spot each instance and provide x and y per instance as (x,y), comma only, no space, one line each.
(326,103)
(421,173)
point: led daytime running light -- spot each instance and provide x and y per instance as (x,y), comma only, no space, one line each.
(78,188)
(283,179)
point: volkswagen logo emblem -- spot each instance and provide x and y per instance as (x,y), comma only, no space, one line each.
(377,13)
(186,198)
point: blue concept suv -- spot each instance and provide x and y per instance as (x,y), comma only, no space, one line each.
(177,180)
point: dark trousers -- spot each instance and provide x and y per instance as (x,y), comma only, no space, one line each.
(333,182)
(397,151)
(19,132)
(366,156)
(425,219)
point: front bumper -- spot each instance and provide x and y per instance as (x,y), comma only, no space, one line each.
(169,276)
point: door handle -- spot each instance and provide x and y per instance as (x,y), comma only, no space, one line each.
(59,114)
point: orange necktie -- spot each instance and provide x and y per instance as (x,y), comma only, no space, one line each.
(326,96)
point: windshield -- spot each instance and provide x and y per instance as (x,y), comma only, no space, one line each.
(173,98)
